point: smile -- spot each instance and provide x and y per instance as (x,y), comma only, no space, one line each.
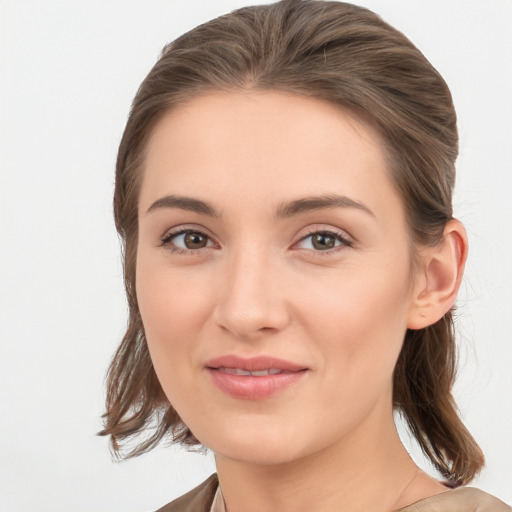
(258,373)
(255,378)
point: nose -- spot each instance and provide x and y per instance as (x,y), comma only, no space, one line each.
(251,299)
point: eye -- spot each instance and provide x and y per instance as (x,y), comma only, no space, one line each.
(190,240)
(186,240)
(324,241)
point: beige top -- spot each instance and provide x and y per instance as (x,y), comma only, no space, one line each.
(463,499)
(207,497)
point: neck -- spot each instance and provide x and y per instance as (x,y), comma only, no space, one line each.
(368,471)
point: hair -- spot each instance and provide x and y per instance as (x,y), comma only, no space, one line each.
(348,56)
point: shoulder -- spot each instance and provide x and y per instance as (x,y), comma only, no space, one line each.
(198,499)
(463,499)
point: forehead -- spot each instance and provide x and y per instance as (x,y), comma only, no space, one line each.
(264,146)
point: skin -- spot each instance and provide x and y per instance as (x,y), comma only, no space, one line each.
(260,286)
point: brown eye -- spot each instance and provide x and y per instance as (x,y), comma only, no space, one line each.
(195,240)
(323,241)
(187,240)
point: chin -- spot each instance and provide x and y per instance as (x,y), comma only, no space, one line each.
(258,454)
(258,444)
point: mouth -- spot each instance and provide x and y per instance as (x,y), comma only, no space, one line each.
(244,373)
(255,378)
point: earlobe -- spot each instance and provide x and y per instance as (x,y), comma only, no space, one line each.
(441,275)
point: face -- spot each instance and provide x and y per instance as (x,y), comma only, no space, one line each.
(273,273)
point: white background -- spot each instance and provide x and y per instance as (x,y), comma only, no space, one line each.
(69,69)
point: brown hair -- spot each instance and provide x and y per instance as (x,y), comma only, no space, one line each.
(349,57)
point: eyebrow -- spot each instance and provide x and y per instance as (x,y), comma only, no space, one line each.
(285,210)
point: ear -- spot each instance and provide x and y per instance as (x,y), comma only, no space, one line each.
(438,280)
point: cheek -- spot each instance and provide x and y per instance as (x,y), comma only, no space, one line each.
(359,320)
(165,307)
(170,300)
(172,308)
(362,298)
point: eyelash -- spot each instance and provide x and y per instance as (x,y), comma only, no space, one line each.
(166,241)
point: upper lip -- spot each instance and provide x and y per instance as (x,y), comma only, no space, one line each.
(253,364)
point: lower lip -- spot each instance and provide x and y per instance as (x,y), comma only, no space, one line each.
(247,387)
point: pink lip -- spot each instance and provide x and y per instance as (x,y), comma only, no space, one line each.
(251,387)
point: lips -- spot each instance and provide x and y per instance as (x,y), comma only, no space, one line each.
(253,364)
(259,373)
(254,378)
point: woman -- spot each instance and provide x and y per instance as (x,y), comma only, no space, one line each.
(283,191)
